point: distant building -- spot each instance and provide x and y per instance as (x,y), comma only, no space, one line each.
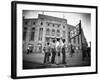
(37,32)
(76,38)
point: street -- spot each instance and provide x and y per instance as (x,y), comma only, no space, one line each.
(35,61)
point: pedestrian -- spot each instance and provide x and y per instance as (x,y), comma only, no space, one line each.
(47,53)
(64,53)
(28,50)
(71,50)
(57,52)
(88,51)
(53,52)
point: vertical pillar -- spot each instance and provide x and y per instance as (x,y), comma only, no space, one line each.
(28,35)
(43,38)
(81,33)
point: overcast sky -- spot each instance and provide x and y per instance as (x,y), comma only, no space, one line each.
(72,19)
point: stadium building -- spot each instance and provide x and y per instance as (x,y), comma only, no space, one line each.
(37,32)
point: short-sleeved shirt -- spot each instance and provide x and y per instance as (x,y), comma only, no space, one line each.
(48,48)
(57,46)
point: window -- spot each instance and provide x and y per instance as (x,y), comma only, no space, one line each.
(58,32)
(58,25)
(48,31)
(53,32)
(33,23)
(72,34)
(63,26)
(32,33)
(42,18)
(64,34)
(41,23)
(48,24)
(40,33)
(78,39)
(24,33)
(53,25)
(26,23)
(32,36)
(74,40)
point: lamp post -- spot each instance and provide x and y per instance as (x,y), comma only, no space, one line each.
(81,40)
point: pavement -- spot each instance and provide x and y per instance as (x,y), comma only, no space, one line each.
(35,60)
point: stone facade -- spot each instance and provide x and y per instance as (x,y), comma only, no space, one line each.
(37,32)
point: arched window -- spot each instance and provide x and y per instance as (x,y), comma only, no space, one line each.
(41,23)
(48,31)
(53,32)
(40,33)
(64,34)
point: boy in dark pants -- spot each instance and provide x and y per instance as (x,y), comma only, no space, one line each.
(63,54)
(53,52)
(47,53)
(53,55)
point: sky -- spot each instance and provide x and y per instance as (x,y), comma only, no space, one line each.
(72,19)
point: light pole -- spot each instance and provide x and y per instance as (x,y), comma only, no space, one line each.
(81,40)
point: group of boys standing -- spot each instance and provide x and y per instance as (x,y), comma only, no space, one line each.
(55,50)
